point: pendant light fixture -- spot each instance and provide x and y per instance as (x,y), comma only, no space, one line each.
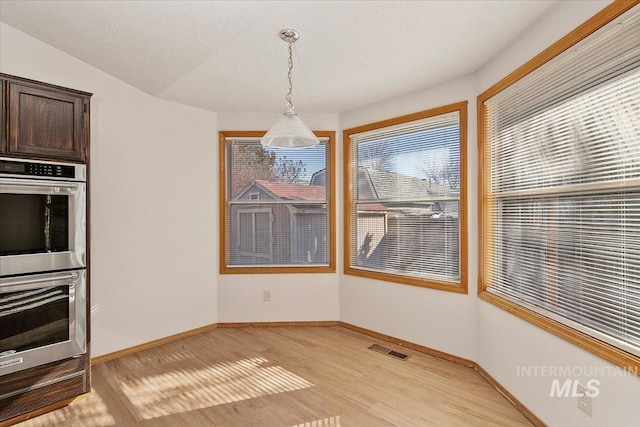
(290,131)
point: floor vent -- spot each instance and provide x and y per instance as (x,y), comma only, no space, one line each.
(392,353)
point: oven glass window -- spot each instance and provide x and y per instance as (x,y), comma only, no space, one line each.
(33,223)
(33,318)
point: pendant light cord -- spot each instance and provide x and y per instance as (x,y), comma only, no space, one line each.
(290,131)
(290,108)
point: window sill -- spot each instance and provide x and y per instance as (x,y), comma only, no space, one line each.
(460,288)
(601,349)
(303,269)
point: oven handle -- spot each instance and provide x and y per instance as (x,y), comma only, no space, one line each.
(49,278)
(34,183)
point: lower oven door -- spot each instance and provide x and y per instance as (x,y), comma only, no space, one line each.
(42,319)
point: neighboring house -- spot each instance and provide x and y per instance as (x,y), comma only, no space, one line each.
(278,223)
(378,184)
(408,212)
(385,185)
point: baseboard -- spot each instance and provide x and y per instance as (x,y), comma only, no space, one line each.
(276,324)
(510,397)
(455,359)
(165,340)
(151,344)
(417,347)
(400,342)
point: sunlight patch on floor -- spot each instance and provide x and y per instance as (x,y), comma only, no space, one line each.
(187,390)
(140,361)
(325,422)
(91,411)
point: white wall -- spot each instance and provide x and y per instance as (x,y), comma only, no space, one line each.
(167,239)
(462,324)
(441,320)
(294,297)
(505,342)
(153,187)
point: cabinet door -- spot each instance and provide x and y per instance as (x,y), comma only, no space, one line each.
(3,141)
(45,122)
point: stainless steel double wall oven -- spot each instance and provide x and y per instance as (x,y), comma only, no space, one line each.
(42,262)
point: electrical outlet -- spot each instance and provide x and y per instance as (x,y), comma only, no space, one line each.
(584,401)
(266,295)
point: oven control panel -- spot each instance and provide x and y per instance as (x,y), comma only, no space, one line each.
(38,169)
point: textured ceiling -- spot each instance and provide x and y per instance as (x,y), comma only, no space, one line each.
(226,56)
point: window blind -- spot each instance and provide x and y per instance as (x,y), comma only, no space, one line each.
(405,199)
(562,188)
(277,205)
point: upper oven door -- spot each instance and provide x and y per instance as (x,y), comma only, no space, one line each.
(42,225)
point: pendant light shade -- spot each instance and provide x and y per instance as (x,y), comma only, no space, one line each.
(290,131)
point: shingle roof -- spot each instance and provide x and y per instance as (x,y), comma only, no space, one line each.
(288,191)
(388,185)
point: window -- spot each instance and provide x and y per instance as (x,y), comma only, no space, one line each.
(276,206)
(560,178)
(405,202)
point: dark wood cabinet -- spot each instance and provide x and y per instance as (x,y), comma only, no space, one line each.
(32,390)
(3,142)
(44,121)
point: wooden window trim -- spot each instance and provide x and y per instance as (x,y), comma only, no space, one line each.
(582,340)
(224,269)
(462,286)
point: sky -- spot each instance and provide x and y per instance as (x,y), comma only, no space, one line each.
(407,154)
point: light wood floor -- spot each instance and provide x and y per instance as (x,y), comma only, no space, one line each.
(283,376)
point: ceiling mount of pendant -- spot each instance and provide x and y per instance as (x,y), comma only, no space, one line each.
(290,35)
